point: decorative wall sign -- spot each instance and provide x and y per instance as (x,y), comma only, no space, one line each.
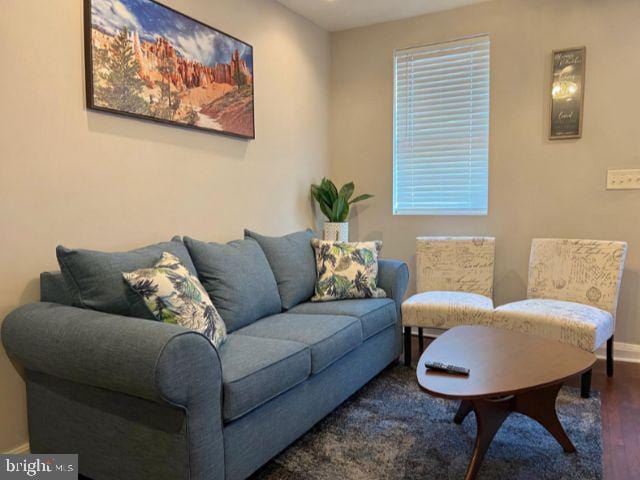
(567,93)
(146,60)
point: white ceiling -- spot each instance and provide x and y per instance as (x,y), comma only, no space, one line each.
(334,15)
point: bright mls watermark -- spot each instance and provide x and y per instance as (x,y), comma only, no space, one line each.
(48,466)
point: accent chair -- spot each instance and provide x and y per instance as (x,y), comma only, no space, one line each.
(572,295)
(454,281)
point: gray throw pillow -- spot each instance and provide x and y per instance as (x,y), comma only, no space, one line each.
(238,279)
(94,279)
(293,263)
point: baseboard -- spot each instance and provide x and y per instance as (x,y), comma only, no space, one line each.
(427,332)
(19,450)
(622,352)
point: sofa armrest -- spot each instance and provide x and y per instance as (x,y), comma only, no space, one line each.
(143,358)
(163,363)
(393,278)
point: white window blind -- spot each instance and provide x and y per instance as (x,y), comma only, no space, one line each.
(441,129)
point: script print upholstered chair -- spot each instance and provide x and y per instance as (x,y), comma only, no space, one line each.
(454,281)
(572,295)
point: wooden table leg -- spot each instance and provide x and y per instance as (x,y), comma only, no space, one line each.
(540,405)
(490,415)
(463,410)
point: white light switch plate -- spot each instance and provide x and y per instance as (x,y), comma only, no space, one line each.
(623,179)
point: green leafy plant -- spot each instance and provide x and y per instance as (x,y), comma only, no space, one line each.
(333,203)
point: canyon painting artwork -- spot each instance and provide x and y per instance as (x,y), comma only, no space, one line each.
(146,60)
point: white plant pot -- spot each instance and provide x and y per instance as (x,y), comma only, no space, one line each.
(336,231)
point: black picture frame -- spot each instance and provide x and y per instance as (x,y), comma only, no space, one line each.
(568,69)
(89,77)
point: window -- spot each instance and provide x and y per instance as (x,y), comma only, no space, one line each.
(441,129)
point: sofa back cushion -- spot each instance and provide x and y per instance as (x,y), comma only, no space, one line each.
(293,263)
(54,289)
(94,279)
(238,279)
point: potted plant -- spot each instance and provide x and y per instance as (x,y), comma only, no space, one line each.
(335,205)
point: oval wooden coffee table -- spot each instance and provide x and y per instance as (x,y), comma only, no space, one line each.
(509,372)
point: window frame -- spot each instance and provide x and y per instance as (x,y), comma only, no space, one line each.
(435,211)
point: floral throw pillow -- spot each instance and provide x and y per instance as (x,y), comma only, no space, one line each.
(174,295)
(346,270)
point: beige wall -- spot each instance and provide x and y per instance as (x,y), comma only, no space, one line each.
(106,182)
(98,181)
(536,187)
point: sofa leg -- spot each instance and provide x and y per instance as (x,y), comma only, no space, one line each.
(407,346)
(420,340)
(610,357)
(585,384)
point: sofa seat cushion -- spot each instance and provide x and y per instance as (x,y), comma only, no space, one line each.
(580,325)
(329,337)
(444,310)
(375,314)
(255,370)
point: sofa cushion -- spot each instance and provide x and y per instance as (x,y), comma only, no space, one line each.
(174,295)
(580,325)
(255,370)
(346,270)
(238,279)
(328,336)
(375,314)
(293,263)
(446,310)
(94,279)
(54,289)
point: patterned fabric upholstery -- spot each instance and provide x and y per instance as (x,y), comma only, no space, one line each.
(346,270)
(173,295)
(581,325)
(572,292)
(460,264)
(447,310)
(582,271)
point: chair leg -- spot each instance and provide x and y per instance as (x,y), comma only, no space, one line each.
(585,384)
(420,340)
(610,357)
(407,346)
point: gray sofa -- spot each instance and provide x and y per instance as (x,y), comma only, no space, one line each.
(140,399)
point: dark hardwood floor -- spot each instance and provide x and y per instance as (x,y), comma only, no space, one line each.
(620,398)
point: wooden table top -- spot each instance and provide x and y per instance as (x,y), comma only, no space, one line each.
(501,363)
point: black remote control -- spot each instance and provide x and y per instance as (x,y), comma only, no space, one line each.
(453,369)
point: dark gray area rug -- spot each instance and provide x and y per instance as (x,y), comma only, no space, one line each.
(392,430)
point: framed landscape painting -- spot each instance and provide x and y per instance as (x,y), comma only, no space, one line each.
(146,60)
